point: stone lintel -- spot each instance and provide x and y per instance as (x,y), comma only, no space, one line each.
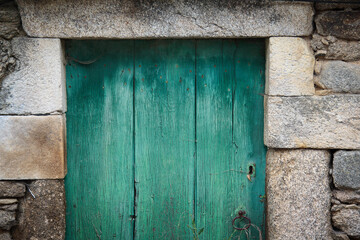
(164,19)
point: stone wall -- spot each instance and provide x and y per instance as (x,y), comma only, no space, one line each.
(312,104)
(346,193)
(32,210)
(10,193)
(32,132)
(336,44)
(319,110)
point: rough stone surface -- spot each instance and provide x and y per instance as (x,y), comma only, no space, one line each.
(337,6)
(7,60)
(347,196)
(341,24)
(298,194)
(10,207)
(336,49)
(339,236)
(9,19)
(164,19)
(37,86)
(11,189)
(290,67)
(32,147)
(5,235)
(347,219)
(42,218)
(323,122)
(346,169)
(343,50)
(5,201)
(339,76)
(7,219)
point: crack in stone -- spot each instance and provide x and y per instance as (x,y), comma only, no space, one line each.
(223,28)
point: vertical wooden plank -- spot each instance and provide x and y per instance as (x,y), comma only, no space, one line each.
(248,126)
(100,180)
(216,170)
(229,133)
(165,138)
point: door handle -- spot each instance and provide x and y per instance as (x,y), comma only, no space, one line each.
(241,215)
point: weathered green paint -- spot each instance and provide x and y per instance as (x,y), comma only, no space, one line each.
(175,145)
(164,138)
(217,172)
(248,127)
(230,83)
(100,179)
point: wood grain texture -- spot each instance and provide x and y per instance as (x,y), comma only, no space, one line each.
(100,179)
(163,131)
(215,165)
(165,138)
(248,127)
(229,122)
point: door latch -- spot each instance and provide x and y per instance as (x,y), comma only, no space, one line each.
(241,216)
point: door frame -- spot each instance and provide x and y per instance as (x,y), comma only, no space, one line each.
(274,57)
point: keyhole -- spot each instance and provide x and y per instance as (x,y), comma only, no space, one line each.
(251,170)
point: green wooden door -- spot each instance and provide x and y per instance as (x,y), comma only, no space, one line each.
(164,136)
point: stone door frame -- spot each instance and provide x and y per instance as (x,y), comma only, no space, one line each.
(298,126)
(280,59)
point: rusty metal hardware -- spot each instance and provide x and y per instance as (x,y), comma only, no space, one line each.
(241,215)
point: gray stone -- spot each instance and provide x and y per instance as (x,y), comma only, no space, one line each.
(9,20)
(343,50)
(11,189)
(298,194)
(37,86)
(32,147)
(43,217)
(341,24)
(5,235)
(290,67)
(351,4)
(335,201)
(317,42)
(339,236)
(347,219)
(346,196)
(338,49)
(317,68)
(323,122)
(346,169)
(339,76)
(320,53)
(164,19)
(5,201)
(11,207)
(7,220)
(337,207)
(7,60)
